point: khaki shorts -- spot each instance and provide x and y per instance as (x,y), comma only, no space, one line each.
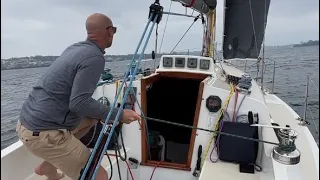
(58,147)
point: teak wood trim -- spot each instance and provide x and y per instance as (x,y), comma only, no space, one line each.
(195,123)
(144,110)
(183,75)
(144,83)
(166,165)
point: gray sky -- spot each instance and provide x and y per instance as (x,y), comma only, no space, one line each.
(43,27)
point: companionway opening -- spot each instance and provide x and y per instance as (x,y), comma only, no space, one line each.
(172,99)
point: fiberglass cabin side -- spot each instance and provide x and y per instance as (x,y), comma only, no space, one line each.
(173,93)
(189,90)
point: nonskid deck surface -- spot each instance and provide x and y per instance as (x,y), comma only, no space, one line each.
(104,163)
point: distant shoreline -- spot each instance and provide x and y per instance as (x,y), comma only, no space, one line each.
(305,44)
(46,61)
(23,68)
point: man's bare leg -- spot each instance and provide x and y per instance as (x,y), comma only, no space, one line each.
(47,169)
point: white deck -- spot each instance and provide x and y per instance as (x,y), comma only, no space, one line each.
(17,157)
(282,114)
(104,163)
(225,171)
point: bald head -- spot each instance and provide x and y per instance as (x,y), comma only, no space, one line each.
(97,29)
(97,21)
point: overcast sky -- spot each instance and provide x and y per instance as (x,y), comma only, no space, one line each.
(47,27)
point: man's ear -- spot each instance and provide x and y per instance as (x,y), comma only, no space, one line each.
(110,33)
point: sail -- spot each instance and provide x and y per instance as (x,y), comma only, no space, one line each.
(244,28)
(202,6)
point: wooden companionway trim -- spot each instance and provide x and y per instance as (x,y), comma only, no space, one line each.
(195,123)
(149,80)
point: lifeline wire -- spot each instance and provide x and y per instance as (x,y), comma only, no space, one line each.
(112,108)
(213,131)
(126,93)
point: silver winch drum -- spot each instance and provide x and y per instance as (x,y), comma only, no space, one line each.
(286,152)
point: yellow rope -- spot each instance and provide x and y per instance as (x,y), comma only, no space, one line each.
(217,123)
(120,98)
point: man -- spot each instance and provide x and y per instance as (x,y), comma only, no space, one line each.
(60,109)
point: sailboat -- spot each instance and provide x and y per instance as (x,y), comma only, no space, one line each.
(202,118)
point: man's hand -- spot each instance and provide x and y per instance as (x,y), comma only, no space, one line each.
(129,116)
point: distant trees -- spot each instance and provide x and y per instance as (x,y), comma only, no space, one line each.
(309,43)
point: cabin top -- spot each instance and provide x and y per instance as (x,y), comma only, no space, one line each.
(186,63)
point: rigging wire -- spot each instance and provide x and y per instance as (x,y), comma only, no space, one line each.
(195,19)
(192,12)
(155,51)
(254,31)
(165,27)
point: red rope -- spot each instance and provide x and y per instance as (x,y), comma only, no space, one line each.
(191,3)
(154,169)
(235,106)
(127,166)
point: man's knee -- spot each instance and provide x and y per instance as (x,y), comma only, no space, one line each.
(102,174)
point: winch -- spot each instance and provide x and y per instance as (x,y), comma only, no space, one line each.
(286,152)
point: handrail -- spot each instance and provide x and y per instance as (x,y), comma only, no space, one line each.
(303,121)
(248,69)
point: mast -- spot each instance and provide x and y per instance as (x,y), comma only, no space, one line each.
(205,8)
(211,29)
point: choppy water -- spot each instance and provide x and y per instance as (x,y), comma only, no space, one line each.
(292,66)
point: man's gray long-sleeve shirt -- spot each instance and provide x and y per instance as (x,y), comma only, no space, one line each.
(63,94)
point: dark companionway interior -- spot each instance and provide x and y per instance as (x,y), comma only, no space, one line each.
(174,100)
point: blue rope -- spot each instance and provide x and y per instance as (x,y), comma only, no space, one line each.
(125,96)
(112,107)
